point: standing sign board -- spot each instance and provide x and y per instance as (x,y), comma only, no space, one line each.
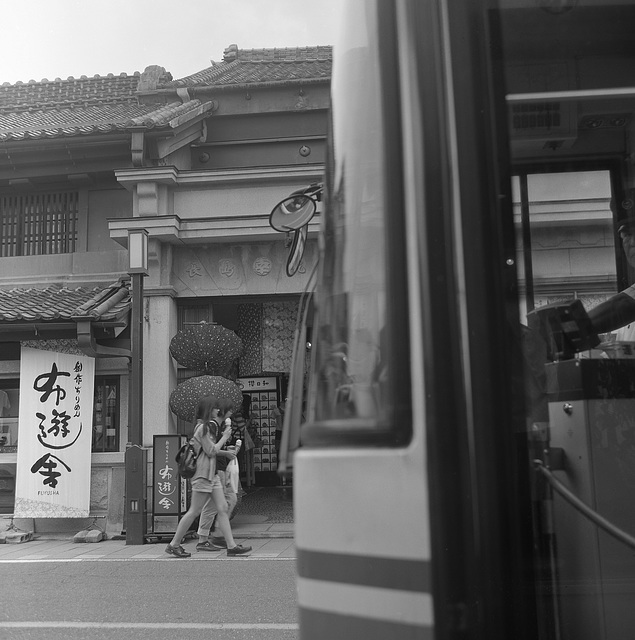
(263,393)
(169,490)
(54,435)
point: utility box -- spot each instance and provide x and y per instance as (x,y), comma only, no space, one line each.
(592,418)
(136,460)
(169,490)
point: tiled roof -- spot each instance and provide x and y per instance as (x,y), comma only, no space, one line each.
(56,303)
(255,66)
(82,106)
(72,92)
(105,104)
(59,122)
(92,119)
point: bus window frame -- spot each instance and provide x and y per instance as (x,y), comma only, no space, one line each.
(397,431)
(613,167)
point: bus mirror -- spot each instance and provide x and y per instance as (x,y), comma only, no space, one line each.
(292,213)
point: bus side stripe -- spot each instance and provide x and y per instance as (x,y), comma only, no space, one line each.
(403,607)
(372,571)
(318,625)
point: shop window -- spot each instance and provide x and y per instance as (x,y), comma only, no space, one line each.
(9,400)
(38,224)
(193,313)
(106,414)
(7,487)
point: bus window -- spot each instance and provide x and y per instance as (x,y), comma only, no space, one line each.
(355,383)
(564,216)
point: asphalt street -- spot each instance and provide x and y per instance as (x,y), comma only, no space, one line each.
(216,598)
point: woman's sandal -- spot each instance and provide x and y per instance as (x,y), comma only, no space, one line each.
(178,552)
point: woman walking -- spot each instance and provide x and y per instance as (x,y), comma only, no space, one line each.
(206,484)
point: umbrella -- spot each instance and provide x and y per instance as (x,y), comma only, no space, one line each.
(185,397)
(206,347)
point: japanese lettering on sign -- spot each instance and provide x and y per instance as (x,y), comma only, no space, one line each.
(56,404)
(167,482)
(169,491)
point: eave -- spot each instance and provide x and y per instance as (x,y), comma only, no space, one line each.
(303,174)
(195,231)
(53,313)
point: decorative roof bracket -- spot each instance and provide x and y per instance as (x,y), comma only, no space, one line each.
(89,346)
(137,145)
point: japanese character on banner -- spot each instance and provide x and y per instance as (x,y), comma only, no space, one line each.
(54,456)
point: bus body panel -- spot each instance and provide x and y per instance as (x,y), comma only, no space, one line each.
(358,570)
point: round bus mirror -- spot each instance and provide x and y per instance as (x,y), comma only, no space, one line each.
(292,213)
(297,250)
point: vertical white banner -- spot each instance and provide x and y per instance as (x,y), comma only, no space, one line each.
(54,435)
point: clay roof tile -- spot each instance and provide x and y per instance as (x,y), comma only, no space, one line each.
(56,302)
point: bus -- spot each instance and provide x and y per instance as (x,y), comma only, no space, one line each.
(460,426)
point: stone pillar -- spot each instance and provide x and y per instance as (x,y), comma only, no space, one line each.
(159,369)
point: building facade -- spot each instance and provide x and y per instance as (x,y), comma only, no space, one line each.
(198,163)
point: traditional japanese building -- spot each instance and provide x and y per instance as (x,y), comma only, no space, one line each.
(197,163)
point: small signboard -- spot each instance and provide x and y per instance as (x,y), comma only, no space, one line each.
(248,385)
(169,490)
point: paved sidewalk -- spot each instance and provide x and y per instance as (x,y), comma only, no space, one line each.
(269,541)
(261,525)
(41,550)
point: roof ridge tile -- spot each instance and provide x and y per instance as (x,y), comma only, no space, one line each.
(61,302)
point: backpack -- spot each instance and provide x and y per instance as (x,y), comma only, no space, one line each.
(186,460)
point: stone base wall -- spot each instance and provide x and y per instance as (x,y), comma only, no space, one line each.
(106,507)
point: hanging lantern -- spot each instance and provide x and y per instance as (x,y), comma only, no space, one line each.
(211,348)
(185,398)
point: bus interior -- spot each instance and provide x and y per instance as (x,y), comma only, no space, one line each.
(517,214)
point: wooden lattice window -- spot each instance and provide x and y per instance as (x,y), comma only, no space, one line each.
(38,224)
(106,414)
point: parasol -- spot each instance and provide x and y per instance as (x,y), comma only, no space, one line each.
(185,397)
(206,347)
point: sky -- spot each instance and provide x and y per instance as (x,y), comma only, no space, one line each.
(61,38)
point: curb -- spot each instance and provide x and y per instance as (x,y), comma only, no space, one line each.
(263,534)
(150,538)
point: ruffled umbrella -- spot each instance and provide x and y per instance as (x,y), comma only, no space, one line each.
(185,398)
(211,348)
